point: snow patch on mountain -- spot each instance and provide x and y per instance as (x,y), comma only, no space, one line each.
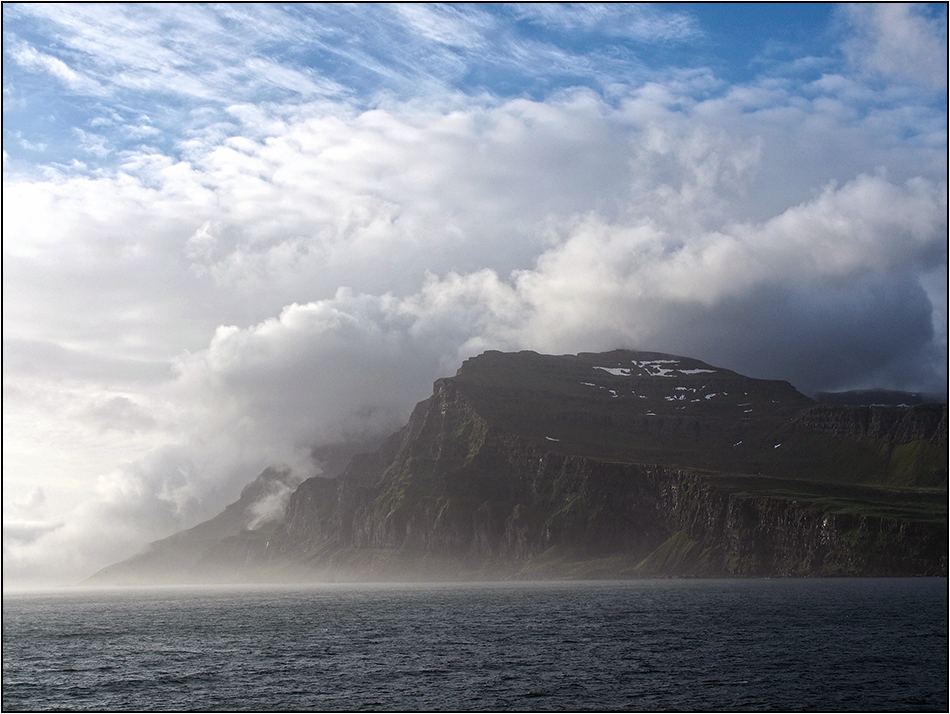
(616,371)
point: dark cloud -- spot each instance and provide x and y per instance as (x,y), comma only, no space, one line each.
(818,337)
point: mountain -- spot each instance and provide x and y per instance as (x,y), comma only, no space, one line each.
(178,557)
(620,464)
(218,549)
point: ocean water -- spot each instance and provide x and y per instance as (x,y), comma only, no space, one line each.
(721,645)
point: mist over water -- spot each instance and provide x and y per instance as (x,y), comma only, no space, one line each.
(830,645)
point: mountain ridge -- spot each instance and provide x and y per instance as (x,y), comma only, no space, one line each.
(618,464)
(880,397)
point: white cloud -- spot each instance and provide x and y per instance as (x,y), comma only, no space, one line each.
(208,56)
(637,22)
(899,41)
(32,59)
(321,372)
(616,284)
(272,504)
(445,24)
(119,413)
(29,145)
(94,144)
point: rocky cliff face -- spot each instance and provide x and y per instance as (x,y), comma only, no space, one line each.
(890,424)
(616,465)
(454,494)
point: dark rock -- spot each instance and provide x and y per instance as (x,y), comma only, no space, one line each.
(616,465)
(471,482)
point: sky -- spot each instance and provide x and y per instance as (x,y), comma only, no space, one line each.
(234,233)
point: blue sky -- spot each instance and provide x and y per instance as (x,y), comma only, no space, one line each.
(235,232)
(137,75)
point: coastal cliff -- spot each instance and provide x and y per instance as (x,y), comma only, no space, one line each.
(455,494)
(617,465)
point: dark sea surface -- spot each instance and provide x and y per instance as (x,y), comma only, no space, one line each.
(721,645)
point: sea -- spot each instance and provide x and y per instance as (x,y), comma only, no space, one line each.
(644,645)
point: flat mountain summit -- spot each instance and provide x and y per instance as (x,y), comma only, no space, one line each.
(654,408)
(616,464)
(629,406)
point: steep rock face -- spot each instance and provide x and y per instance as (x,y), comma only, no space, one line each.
(454,488)
(767,536)
(898,425)
(899,446)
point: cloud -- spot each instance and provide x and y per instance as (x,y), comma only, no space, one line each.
(32,503)
(27,531)
(94,144)
(320,373)
(899,41)
(28,145)
(378,199)
(445,24)
(271,505)
(637,22)
(32,59)
(36,358)
(848,258)
(198,52)
(119,414)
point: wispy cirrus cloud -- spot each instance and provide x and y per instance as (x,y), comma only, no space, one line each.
(447,25)
(640,23)
(197,51)
(30,58)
